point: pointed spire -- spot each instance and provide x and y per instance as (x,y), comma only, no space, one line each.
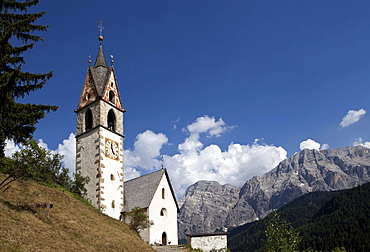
(100,59)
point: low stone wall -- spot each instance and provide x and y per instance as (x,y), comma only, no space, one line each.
(208,241)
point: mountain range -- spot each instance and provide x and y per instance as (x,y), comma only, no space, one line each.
(208,206)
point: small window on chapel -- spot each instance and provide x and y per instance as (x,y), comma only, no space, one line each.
(162,193)
(111,177)
(163,212)
(111,96)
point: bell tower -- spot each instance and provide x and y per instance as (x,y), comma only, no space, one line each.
(99,137)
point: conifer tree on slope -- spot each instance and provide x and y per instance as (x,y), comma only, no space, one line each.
(17,120)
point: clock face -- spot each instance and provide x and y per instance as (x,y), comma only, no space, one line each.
(111,149)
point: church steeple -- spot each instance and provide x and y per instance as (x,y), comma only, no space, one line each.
(99,136)
(100,83)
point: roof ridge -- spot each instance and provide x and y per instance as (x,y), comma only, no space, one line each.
(146,175)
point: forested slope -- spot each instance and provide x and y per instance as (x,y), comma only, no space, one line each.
(325,220)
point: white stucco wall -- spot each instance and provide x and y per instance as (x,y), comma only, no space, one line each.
(207,243)
(166,223)
(111,190)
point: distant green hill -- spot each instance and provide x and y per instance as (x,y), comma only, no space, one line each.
(325,220)
(38,218)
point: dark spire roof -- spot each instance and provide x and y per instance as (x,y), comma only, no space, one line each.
(100,59)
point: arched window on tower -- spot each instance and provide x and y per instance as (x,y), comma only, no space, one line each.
(111,96)
(111,120)
(88,120)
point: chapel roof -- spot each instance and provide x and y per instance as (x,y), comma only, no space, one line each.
(139,191)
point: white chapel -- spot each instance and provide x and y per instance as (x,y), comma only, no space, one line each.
(100,154)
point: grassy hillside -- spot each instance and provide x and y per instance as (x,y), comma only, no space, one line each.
(29,224)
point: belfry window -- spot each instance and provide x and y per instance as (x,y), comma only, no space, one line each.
(111,96)
(88,120)
(163,191)
(111,120)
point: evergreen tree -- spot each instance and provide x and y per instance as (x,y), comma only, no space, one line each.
(17,120)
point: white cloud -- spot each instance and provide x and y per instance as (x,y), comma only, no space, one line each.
(175,123)
(131,173)
(324,146)
(10,148)
(313,145)
(359,141)
(68,150)
(208,125)
(309,144)
(147,148)
(194,162)
(352,117)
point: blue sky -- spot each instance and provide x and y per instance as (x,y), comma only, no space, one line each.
(213,75)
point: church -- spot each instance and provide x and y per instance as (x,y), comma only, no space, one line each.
(100,155)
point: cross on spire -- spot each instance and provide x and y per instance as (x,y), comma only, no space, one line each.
(101,27)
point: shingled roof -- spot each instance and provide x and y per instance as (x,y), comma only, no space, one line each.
(139,192)
(100,76)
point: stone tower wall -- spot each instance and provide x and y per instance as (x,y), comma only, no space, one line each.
(87,162)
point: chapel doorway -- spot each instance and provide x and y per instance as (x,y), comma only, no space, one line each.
(164,238)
